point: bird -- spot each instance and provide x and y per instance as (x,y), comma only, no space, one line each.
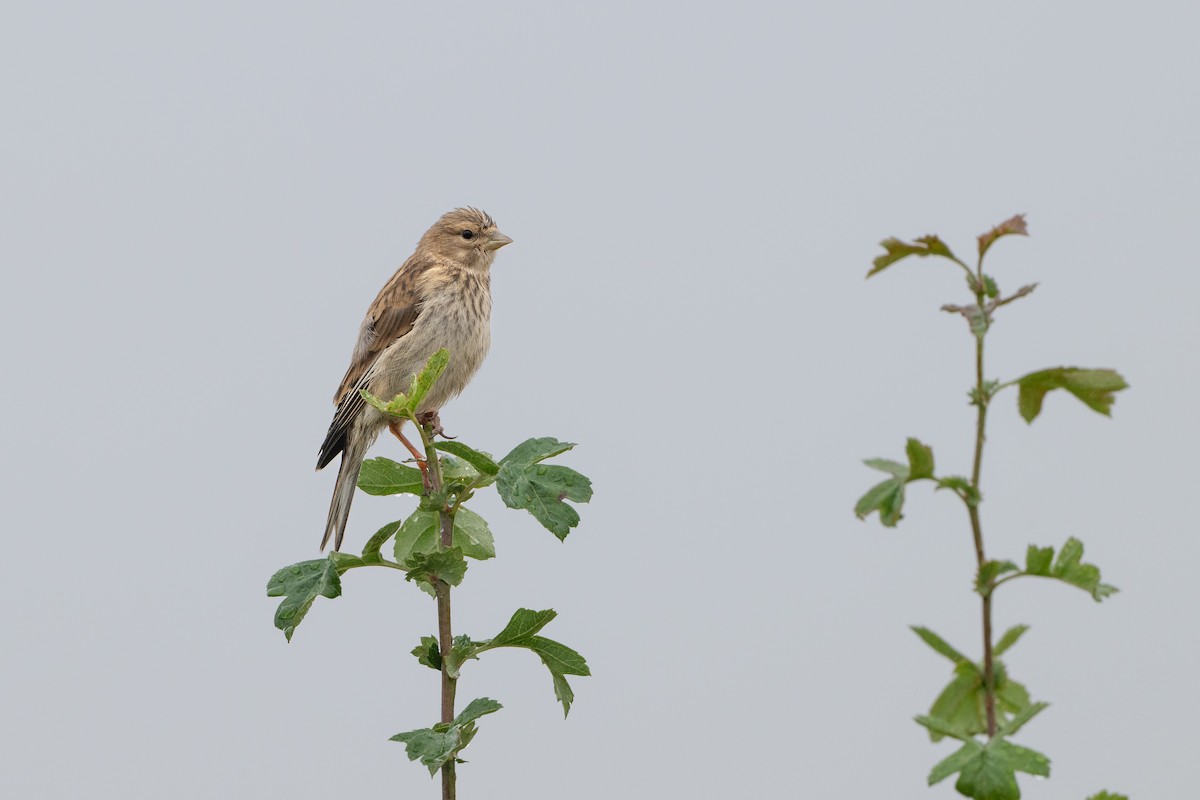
(439,298)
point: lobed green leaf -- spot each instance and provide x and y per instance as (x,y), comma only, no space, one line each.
(1094,387)
(897,250)
(428,653)
(887,498)
(1012,226)
(431,747)
(961,705)
(299,585)
(561,660)
(1067,567)
(541,489)
(436,746)
(987,771)
(440,565)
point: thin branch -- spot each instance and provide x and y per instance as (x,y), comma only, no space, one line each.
(442,590)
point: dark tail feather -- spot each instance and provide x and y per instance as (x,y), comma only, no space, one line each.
(354,450)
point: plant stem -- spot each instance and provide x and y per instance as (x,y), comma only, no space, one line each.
(981,400)
(442,589)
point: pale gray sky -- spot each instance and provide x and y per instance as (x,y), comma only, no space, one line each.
(201,199)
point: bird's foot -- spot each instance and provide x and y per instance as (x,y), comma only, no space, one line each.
(432,419)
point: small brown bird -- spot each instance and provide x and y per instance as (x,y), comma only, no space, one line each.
(440,297)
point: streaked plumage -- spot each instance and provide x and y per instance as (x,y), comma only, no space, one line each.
(440,297)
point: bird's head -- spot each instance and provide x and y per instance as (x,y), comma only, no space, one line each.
(466,235)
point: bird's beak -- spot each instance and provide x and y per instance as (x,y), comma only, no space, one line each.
(497,241)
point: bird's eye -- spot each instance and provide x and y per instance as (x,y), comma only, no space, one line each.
(466,234)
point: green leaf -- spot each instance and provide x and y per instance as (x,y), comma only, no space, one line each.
(988,572)
(423,382)
(396,407)
(561,660)
(989,287)
(1108,796)
(428,653)
(432,748)
(421,533)
(476,709)
(299,585)
(1094,387)
(1067,567)
(541,489)
(920,460)
(940,727)
(988,771)
(1009,638)
(562,691)
(371,550)
(895,468)
(345,561)
(940,645)
(436,746)
(962,487)
(887,498)
(897,249)
(1019,719)
(443,565)
(472,534)
(1012,226)
(523,624)
(557,657)
(457,470)
(479,460)
(1037,560)
(960,704)
(531,451)
(955,762)
(382,476)
(462,650)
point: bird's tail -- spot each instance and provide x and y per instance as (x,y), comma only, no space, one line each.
(343,490)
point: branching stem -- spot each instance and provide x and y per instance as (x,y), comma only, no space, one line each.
(982,399)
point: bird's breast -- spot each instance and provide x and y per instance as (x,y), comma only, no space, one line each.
(457,317)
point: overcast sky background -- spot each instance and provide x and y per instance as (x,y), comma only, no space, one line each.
(201,199)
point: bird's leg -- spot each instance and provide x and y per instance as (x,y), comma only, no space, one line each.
(394,426)
(431,418)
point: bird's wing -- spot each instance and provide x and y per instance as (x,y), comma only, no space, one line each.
(390,317)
